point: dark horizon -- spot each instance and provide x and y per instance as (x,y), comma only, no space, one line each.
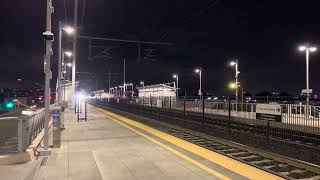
(263,36)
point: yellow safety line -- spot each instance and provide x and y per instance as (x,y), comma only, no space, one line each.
(224,161)
(179,154)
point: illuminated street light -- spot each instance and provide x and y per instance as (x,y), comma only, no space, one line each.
(142,83)
(175,76)
(237,72)
(130,84)
(232,63)
(198,70)
(232,86)
(121,90)
(69,30)
(307,49)
(68,53)
(116,91)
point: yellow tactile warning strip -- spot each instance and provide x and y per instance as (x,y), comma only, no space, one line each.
(224,161)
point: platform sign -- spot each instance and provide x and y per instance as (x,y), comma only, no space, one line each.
(56,129)
(269,112)
(55,117)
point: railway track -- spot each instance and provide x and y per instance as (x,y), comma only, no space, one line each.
(262,130)
(285,167)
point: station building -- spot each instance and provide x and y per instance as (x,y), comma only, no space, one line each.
(157,91)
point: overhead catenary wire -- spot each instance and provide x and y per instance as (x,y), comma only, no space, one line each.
(202,11)
(193,17)
(123,40)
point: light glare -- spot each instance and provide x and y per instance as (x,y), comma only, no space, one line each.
(302,48)
(232,85)
(232,63)
(69,29)
(313,49)
(68,53)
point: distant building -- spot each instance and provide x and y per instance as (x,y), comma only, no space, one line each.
(101,94)
(157,90)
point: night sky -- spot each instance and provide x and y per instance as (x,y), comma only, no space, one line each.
(263,35)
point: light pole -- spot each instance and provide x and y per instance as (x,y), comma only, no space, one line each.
(64,71)
(130,84)
(74,60)
(120,90)
(308,49)
(199,71)
(175,76)
(65,65)
(142,83)
(237,72)
(116,91)
(110,91)
(69,30)
(131,89)
(48,36)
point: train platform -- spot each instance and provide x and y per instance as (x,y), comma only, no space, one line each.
(110,146)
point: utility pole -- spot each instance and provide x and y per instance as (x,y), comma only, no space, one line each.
(74,53)
(48,74)
(237,85)
(308,49)
(59,65)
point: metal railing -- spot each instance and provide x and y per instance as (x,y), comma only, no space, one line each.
(17,133)
(29,128)
(295,125)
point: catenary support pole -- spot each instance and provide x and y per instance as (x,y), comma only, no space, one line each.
(59,65)
(48,75)
(73,91)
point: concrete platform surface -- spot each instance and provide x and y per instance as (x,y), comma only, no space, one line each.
(103,149)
